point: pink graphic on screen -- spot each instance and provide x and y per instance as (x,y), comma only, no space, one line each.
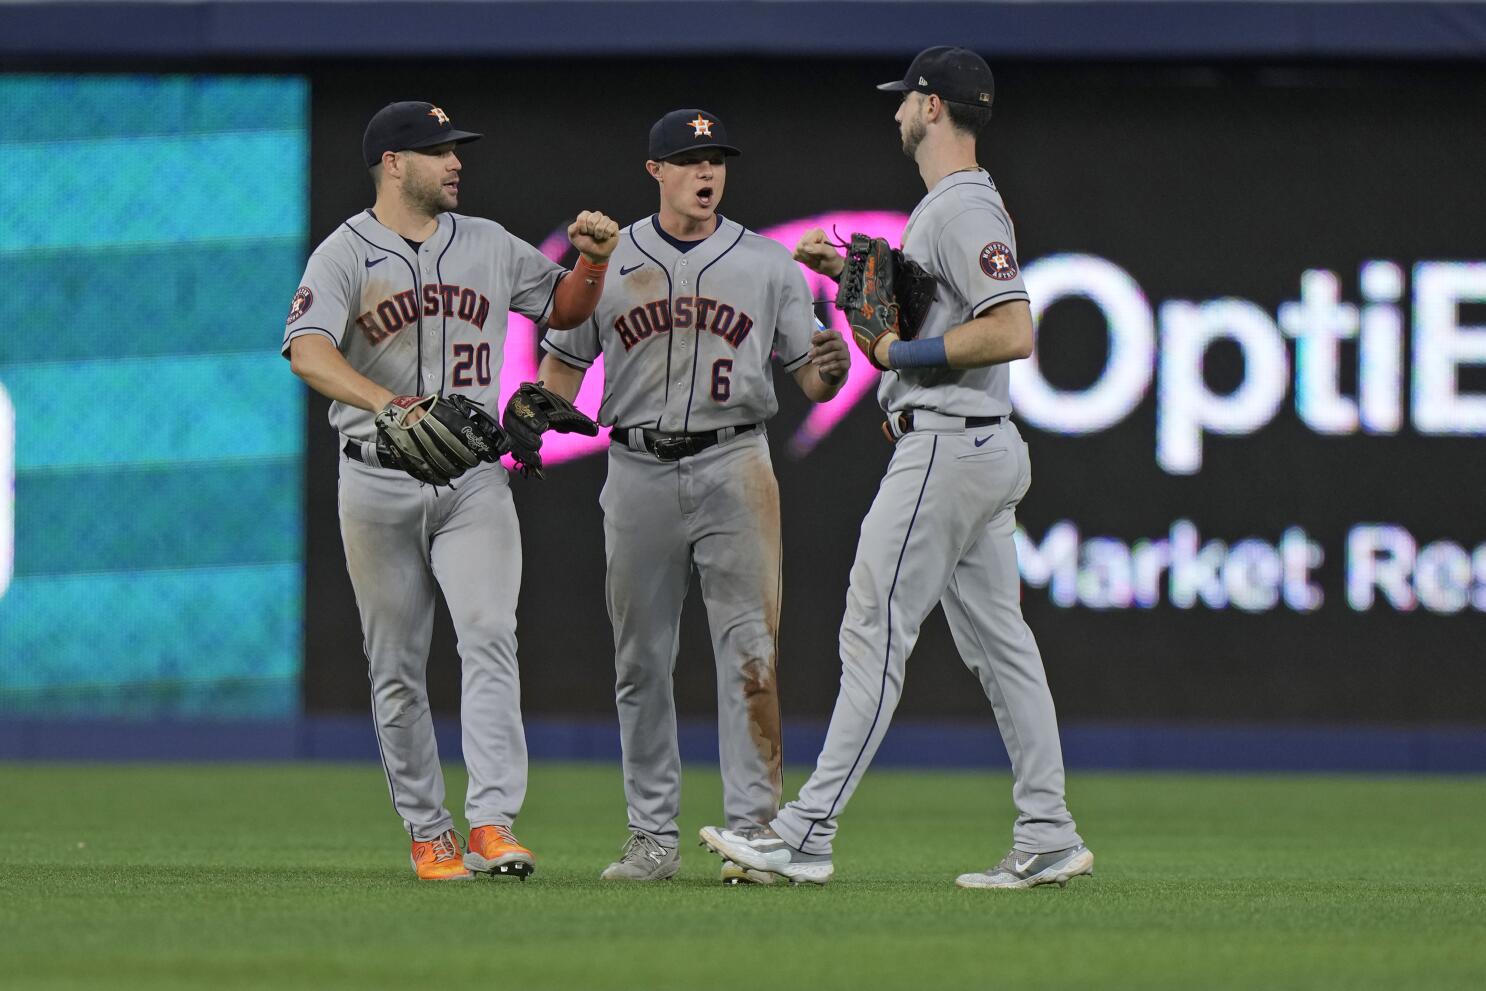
(523,347)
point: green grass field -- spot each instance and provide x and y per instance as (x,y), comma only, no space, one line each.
(296,875)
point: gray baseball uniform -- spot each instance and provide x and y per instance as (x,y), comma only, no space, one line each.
(686,339)
(419,321)
(940,530)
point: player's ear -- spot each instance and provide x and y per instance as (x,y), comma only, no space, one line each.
(653,167)
(391,164)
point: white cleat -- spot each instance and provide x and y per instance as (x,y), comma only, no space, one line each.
(759,848)
(1018,871)
(738,874)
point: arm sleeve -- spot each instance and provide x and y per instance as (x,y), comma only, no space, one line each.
(578,347)
(977,256)
(322,303)
(796,322)
(534,279)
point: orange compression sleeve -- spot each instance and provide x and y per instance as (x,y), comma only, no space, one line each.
(577,295)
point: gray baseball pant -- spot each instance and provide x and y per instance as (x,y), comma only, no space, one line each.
(402,539)
(717,510)
(940,530)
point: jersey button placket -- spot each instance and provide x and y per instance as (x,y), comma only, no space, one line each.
(683,284)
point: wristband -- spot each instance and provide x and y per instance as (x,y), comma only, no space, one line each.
(925,353)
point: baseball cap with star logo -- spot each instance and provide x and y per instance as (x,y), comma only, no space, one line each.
(955,74)
(407,126)
(683,130)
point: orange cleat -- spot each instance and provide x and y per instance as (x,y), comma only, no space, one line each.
(439,859)
(494,851)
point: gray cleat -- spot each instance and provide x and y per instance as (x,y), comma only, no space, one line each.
(738,874)
(643,860)
(759,848)
(1019,870)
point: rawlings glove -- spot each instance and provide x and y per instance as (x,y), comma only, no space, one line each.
(451,437)
(882,292)
(866,293)
(532,411)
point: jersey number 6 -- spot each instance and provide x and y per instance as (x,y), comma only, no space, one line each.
(468,357)
(722,385)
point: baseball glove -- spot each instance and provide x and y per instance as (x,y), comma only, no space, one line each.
(451,437)
(882,292)
(913,288)
(532,411)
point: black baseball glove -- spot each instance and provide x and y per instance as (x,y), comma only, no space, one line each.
(451,437)
(882,292)
(532,411)
(913,289)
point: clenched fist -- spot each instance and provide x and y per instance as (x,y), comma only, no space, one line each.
(595,235)
(818,253)
(830,356)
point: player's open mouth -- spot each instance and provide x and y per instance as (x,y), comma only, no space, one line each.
(704,196)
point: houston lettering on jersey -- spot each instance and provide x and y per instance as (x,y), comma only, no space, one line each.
(396,312)
(663,316)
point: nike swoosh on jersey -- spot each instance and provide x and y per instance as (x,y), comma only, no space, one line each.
(980,441)
(375,261)
(626,271)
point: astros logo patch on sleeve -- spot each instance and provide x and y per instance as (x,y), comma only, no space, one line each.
(997,261)
(303,300)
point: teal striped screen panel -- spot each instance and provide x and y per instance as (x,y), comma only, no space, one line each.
(152,232)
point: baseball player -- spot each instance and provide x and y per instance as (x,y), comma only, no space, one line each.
(409,300)
(940,528)
(686,327)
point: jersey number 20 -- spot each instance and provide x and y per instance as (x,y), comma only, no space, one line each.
(472,364)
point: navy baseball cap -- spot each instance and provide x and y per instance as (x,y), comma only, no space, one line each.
(683,130)
(407,126)
(955,74)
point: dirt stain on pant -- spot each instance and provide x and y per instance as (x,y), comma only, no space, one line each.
(760,674)
(761,692)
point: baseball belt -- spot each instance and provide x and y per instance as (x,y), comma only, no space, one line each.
(898,424)
(674,446)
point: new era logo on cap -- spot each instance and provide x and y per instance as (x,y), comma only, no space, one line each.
(957,75)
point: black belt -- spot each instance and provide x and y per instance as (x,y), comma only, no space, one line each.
(674,447)
(352,450)
(905,421)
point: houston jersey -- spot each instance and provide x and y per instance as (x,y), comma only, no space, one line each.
(430,320)
(687,336)
(961,233)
